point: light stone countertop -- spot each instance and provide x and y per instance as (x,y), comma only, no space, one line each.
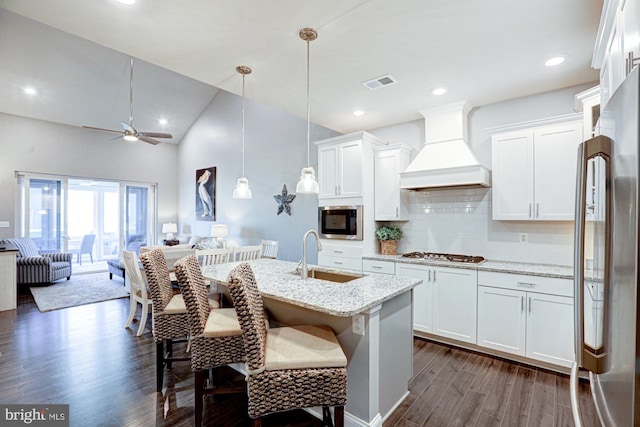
(545,270)
(275,281)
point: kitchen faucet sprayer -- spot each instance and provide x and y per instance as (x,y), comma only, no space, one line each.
(304,272)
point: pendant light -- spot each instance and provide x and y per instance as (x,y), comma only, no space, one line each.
(308,183)
(242,190)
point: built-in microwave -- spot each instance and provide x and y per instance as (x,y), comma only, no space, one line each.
(340,222)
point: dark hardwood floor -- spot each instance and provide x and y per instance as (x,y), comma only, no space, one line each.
(83,356)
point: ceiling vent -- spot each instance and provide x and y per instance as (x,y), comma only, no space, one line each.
(379,82)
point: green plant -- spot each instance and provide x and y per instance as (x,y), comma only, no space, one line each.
(389,233)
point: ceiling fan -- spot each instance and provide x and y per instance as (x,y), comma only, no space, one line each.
(128,131)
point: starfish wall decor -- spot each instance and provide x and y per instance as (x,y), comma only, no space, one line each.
(283,199)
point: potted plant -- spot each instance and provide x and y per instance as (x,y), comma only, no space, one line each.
(389,236)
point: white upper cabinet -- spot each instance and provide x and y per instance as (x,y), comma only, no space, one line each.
(345,165)
(617,44)
(534,172)
(391,202)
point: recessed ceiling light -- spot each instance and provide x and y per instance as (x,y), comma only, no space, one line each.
(438,91)
(30,90)
(127,2)
(162,122)
(556,60)
(358,113)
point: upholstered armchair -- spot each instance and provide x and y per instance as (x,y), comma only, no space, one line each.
(34,267)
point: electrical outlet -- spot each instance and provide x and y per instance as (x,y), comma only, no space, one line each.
(357,324)
(524,237)
(4,224)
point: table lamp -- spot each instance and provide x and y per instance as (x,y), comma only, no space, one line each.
(169,228)
(219,231)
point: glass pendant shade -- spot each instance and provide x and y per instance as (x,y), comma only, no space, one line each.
(242,190)
(307,183)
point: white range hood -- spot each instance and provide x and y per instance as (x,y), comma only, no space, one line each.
(446,160)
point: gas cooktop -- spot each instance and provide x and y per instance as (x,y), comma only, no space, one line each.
(445,257)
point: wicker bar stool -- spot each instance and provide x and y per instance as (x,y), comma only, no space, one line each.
(216,336)
(170,321)
(290,367)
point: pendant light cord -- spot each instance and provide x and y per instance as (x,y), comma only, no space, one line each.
(308,109)
(131,93)
(243,76)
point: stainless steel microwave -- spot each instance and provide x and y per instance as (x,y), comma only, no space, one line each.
(340,222)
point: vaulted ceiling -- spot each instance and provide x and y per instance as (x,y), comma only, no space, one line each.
(482,51)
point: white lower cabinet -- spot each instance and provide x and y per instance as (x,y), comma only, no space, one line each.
(445,303)
(454,303)
(344,256)
(536,325)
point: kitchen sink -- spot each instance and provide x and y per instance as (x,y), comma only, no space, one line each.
(330,276)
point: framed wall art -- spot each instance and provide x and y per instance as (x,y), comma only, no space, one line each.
(206,194)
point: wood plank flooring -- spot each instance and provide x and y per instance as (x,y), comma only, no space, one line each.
(83,356)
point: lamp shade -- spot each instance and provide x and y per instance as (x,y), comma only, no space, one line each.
(307,183)
(170,227)
(219,230)
(242,190)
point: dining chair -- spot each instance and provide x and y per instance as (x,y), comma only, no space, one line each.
(247,253)
(208,257)
(289,367)
(138,290)
(269,249)
(86,247)
(170,321)
(216,336)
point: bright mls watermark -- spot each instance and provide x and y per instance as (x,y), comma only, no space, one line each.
(34,415)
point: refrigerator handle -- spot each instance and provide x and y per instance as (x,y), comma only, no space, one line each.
(578,282)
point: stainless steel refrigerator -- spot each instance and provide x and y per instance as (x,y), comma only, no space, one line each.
(606,262)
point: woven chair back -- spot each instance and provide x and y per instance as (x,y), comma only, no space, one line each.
(157,272)
(194,292)
(250,309)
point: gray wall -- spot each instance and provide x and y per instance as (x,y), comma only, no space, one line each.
(44,147)
(275,151)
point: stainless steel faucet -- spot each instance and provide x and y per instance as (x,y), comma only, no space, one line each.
(303,274)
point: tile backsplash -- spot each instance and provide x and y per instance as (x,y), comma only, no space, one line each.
(459,221)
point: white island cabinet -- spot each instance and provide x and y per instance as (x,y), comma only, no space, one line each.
(370,315)
(526,315)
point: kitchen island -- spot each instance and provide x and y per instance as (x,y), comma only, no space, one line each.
(371,316)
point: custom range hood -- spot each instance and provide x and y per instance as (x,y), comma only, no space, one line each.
(446,160)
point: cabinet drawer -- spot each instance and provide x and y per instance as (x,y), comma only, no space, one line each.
(340,262)
(341,250)
(373,266)
(524,282)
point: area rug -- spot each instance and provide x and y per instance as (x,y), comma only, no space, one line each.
(80,290)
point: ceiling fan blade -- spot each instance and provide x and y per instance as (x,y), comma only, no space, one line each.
(156,134)
(128,127)
(106,130)
(148,140)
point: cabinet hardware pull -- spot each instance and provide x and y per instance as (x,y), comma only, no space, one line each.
(434,276)
(428,280)
(397,212)
(526,285)
(529,210)
(631,62)
(335,251)
(529,305)
(376,266)
(537,210)
(522,304)
(335,190)
(337,262)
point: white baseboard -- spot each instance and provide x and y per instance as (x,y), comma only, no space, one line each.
(349,419)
